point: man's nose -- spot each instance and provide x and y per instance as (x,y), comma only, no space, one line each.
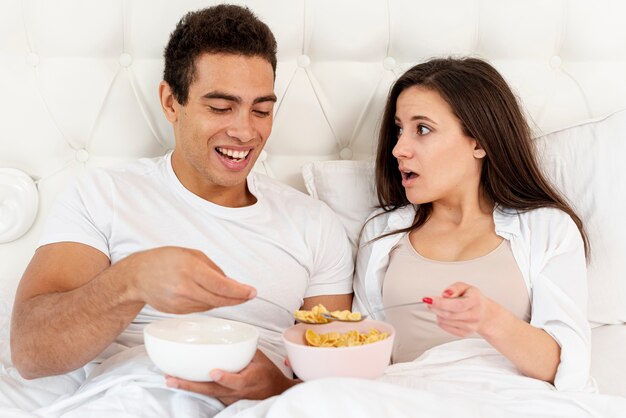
(242,127)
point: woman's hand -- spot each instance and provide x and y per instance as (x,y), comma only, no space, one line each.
(463,309)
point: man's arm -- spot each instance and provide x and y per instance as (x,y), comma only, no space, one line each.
(71,303)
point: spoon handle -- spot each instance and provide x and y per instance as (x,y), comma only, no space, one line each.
(400,305)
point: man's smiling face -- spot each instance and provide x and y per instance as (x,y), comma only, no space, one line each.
(224,125)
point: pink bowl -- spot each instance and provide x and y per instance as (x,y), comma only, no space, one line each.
(366,361)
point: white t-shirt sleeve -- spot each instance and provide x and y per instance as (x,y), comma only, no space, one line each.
(560,298)
(82,214)
(333,263)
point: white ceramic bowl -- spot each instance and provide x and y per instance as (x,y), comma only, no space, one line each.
(190,347)
(366,361)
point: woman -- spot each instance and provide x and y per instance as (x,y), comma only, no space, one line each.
(470,226)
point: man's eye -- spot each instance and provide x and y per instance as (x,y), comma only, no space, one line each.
(423,130)
(219,109)
(261,113)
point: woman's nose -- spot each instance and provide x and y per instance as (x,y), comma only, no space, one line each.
(400,150)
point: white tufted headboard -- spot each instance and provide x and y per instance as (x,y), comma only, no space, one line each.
(79,82)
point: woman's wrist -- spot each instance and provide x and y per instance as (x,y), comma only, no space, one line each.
(496,318)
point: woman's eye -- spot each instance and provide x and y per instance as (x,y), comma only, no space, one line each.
(400,131)
(423,130)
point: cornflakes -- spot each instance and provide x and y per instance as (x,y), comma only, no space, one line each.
(346,315)
(315,315)
(348,339)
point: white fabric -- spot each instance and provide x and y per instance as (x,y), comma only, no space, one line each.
(465,379)
(287,245)
(549,251)
(586,163)
(19,202)
(125,385)
(347,187)
(608,368)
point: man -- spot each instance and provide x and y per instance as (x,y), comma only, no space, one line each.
(191,232)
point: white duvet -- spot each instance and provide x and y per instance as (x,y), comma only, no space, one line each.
(466,378)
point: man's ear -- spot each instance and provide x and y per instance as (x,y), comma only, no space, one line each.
(479,151)
(168,102)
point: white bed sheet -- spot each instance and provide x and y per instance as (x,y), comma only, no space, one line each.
(608,359)
(466,378)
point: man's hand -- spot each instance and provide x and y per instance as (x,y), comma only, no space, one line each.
(260,380)
(181,280)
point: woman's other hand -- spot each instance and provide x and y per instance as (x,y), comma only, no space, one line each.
(463,309)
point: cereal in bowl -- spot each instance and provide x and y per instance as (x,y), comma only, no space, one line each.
(347,339)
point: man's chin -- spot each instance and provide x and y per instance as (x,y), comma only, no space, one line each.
(233,179)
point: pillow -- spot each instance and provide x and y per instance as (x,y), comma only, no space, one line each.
(585,162)
(347,187)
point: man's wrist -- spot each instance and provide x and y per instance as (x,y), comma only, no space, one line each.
(289,383)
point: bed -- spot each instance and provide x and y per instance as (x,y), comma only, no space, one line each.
(79,81)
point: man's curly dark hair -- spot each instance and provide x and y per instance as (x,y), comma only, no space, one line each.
(223,28)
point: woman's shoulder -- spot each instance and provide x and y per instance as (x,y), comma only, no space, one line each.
(544,224)
(550,218)
(545,215)
(381,221)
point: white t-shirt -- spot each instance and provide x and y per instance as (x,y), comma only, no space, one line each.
(287,245)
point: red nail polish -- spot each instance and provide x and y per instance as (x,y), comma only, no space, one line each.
(427,300)
(448,292)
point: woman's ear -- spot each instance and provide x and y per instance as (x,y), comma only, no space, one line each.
(479,152)
(167,102)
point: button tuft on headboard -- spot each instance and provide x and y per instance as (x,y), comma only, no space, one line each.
(389,63)
(125,59)
(82,156)
(556,61)
(304,61)
(346,154)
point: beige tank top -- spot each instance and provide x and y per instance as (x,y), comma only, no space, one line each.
(410,277)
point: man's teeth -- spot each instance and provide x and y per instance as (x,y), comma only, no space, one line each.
(235,155)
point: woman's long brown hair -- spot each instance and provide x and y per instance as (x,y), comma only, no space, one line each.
(489,112)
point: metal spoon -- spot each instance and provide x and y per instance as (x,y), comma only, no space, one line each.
(333,318)
(329,317)
(282,308)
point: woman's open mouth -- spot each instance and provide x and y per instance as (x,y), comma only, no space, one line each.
(408,177)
